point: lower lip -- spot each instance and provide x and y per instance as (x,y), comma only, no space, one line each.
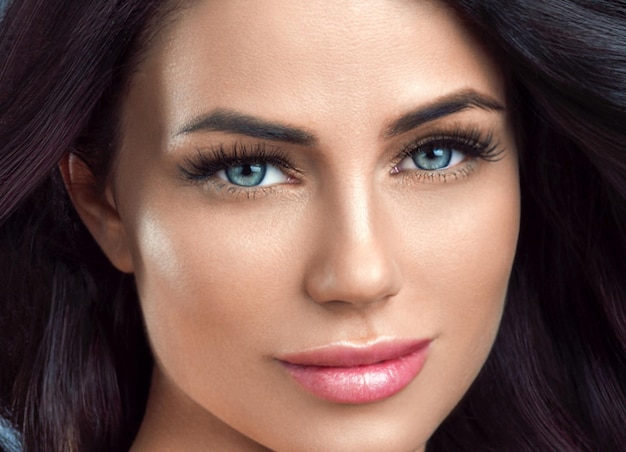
(359,384)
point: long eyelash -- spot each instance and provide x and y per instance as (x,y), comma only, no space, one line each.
(206,163)
(468,141)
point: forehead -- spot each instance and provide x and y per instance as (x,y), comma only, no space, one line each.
(309,60)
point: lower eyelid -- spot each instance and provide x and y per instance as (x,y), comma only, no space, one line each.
(456,159)
(459,171)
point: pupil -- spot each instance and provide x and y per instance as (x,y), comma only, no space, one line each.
(435,153)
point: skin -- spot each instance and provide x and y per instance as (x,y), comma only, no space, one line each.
(354,246)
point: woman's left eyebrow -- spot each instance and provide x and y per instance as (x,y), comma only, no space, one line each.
(444,106)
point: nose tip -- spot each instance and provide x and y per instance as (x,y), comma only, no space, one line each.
(356,272)
(354,260)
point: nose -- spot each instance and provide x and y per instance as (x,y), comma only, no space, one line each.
(354,262)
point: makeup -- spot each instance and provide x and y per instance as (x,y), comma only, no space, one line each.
(355,374)
(320,226)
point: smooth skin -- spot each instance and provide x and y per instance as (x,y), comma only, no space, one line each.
(350,245)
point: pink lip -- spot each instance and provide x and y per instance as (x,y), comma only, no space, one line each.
(355,374)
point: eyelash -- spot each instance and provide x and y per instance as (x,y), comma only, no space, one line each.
(467,141)
(206,164)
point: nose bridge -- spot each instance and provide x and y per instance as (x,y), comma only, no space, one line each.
(355,261)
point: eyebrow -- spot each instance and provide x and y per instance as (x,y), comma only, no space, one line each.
(223,120)
(232,121)
(444,106)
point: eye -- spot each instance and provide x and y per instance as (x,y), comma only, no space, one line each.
(431,158)
(253,174)
(240,166)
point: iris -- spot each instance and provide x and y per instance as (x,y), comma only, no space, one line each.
(248,175)
(432,159)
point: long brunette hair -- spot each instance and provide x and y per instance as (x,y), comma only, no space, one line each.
(75,361)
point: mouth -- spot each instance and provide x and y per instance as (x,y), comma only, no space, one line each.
(354,374)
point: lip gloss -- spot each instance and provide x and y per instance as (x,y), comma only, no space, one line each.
(357,375)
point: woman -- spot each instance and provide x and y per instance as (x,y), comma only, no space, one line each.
(295,226)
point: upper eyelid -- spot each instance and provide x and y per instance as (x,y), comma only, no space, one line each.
(455,130)
(466,135)
(208,161)
(241,152)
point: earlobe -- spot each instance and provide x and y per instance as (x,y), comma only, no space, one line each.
(97,210)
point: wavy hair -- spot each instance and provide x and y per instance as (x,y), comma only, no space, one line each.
(75,360)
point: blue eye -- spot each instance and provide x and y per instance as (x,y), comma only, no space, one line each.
(432,159)
(239,166)
(252,175)
(246,175)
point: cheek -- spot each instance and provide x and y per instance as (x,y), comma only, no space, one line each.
(461,262)
(462,238)
(477,270)
(208,282)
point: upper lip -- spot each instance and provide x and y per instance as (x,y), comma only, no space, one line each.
(354,354)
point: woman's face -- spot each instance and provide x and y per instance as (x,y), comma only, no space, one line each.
(319,201)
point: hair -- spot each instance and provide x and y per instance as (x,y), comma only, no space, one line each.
(75,361)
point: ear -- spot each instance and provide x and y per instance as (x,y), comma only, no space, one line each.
(97,210)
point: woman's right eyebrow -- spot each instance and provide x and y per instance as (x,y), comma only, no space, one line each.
(232,121)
